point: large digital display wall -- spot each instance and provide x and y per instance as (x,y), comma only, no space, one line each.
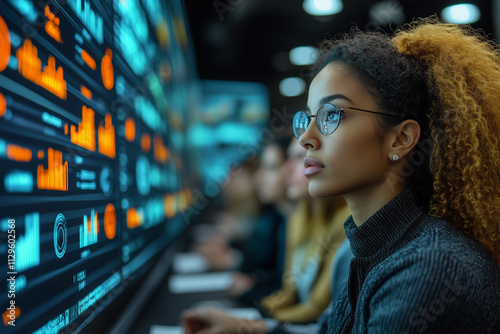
(94,164)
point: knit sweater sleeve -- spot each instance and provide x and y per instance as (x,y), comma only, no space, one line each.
(431,292)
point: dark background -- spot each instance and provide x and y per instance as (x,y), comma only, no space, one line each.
(243,40)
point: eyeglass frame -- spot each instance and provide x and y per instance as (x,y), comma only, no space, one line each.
(340,110)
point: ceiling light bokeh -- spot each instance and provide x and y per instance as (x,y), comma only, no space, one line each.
(322,7)
(303,55)
(293,86)
(463,13)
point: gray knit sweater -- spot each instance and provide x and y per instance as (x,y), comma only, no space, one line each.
(412,273)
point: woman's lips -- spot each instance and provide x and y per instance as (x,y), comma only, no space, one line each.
(313,166)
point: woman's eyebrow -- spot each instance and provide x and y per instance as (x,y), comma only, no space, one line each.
(329,98)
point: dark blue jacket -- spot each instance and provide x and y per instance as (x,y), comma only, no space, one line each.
(412,273)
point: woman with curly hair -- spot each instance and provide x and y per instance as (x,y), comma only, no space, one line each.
(406,129)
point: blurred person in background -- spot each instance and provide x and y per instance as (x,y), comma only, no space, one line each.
(255,218)
(261,270)
(225,242)
(314,232)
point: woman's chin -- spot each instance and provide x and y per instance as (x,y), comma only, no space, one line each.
(319,189)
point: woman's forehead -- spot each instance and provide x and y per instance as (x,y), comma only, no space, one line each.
(334,80)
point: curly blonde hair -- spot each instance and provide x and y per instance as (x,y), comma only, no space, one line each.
(447,78)
(464,74)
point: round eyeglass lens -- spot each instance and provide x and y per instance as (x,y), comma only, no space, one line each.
(327,118)
(300,123)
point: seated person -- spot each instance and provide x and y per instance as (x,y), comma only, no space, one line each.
(314,232)
(260,267)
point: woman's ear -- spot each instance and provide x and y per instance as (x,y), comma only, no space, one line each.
(403,139)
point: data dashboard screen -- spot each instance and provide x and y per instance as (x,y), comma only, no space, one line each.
(95,171)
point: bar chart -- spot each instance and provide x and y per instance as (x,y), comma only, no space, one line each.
(28,245)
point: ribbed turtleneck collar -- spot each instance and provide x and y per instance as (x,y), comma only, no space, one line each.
(385,226)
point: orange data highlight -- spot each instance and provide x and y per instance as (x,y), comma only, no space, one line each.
(3,105)
(55,177)
(110,221)
(106,135)
(90,225)
(4,45)
(169,203)
(86,92)
(161,153)
(41,154)
(85,135)
(16,312)
(30,67)
(130,129)
(107,71)
(88,59)
(52,25)
(18,153)
(145,142)
(134,218)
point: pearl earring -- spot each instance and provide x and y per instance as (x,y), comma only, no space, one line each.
(395,157)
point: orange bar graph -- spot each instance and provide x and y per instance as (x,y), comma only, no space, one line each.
(52,25)
(88,59)
(30,67)
(161,153)
(19,153)
(134,218)
(55,177)
(106,136)
(85,135)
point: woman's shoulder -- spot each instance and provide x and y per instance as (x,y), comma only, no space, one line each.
(439,246)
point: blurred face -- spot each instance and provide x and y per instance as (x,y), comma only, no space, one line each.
(270,179)
(351,159)
(239,187)
(296,182)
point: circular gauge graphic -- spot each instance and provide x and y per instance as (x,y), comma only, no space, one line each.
(110,221)
(60,235)
(106,180)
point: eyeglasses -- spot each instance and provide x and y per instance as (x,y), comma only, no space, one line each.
(327,119)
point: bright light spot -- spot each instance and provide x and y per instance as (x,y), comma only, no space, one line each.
(292,86)
(461,13)
(386,12)
(303,55)
(322,7)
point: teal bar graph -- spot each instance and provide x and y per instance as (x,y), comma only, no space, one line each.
(89,230)
(28,245)
(90,18)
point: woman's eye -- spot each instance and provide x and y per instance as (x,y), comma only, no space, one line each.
(332,116)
